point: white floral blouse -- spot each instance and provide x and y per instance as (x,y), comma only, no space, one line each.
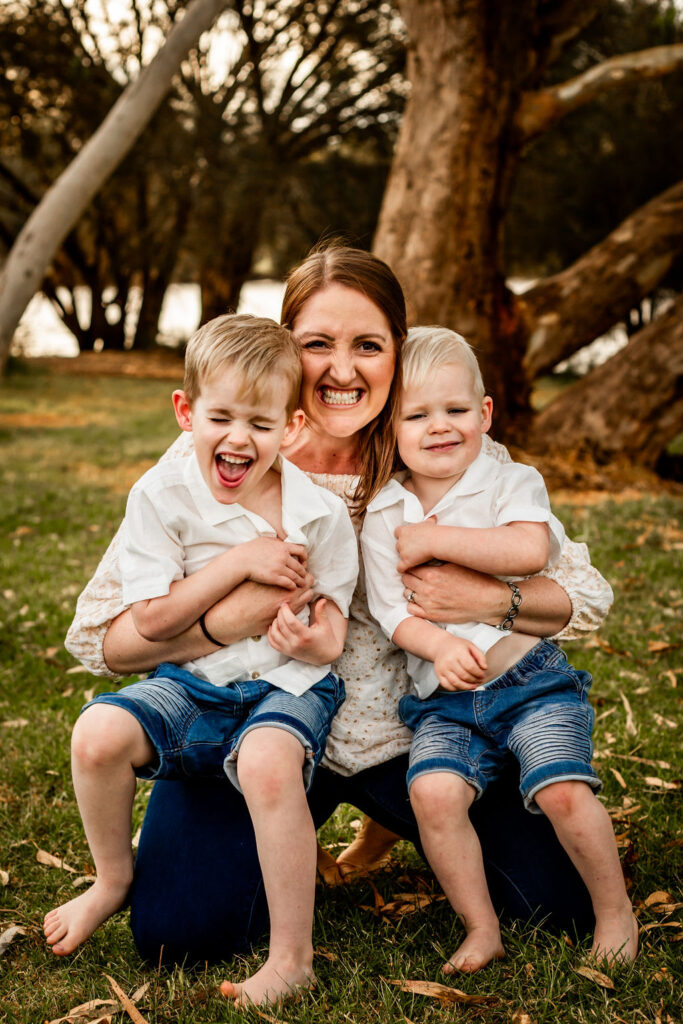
(366,731)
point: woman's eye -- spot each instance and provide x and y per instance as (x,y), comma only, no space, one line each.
(370,346)
(315,344)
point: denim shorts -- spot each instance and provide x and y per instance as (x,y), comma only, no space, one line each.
(538,710)
(196,728)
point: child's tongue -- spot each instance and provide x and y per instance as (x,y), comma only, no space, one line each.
(231,472)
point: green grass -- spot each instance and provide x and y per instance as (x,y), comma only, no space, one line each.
(69,449)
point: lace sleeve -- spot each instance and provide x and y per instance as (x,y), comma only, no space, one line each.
(102,599)
(590,594)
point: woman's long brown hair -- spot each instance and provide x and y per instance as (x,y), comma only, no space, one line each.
(334,263)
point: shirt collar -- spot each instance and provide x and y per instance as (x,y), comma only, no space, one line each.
(302,502)
(475,479)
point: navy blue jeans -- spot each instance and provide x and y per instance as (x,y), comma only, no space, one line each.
(198,895)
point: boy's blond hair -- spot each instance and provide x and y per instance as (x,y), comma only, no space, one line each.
(428,348)
(256,347)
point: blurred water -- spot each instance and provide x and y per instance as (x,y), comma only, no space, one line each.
(42,333)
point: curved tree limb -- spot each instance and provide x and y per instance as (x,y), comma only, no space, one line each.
(570,309)
(631,406)
(61,206)
(540,110)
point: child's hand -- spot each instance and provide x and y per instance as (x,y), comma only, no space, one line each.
(316,643)
(415,543)
(274,561)
(459,665)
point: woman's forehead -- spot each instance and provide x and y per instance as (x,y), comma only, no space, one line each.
(338,307)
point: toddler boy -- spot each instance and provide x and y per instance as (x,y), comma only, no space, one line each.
(482,691)
(259,709)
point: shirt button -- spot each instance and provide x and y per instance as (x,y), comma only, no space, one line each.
(254,675)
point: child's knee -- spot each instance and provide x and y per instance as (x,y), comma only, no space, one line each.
(103,735)
(269,763)
(440,796)
(563,799)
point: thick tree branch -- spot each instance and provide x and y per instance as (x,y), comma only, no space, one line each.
(647,375)
(570,309)
(539,111)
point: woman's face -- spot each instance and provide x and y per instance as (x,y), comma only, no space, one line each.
(348,356)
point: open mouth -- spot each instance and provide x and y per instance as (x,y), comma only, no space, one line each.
(232,469)
(334,398)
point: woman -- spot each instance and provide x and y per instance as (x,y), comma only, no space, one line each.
(197,893)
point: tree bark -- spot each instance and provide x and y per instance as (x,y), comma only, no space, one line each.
(564,312)
(540,110)
(61,206)
(631,406)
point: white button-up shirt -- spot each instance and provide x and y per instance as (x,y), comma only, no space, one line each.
(174,526)
(489,493)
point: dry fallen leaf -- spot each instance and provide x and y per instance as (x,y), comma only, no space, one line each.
(656,783)
(4,877)
(660,924)
(126,1002)
(50,861)
(662,721)
(15,723)
(76,669)
(619,777)
(83,1011)
(655,646)
(521,1017)
(82,880)
(409,903)
(659,896)
(444,993)
(630,724)
(597,976)
(9,935)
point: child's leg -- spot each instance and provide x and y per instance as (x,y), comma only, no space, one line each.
(269,769)
(584,828)
(441,801)
(108,744)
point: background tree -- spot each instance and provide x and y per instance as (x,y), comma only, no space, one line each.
(442,220)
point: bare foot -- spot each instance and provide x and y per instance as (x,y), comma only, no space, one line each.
(74,922)
(368,852)
(480,947)
(616,938)
(271,984)
(326,870)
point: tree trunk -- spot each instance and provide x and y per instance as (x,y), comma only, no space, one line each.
(572,308)
(61,206)
(631,406)
(440,226)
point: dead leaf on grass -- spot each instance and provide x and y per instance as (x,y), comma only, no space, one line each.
(619,777)
(656,783)
(597,976)
(660,924)
(9,935)
(50,861)
(443,993)
(15,723)
(82,1012)
(662,721)
(409,903)
(89,694)
(4,877)
(630,724)
(657,646)
(521,1017)
(82,880)
(659,896)
(75,670)
(321,951)
(126,1002)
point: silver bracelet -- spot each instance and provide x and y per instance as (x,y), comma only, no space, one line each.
(513,611)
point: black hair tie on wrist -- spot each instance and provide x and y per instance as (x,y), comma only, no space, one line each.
(206,633)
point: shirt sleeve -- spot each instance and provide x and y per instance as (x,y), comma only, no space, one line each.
(152,555)
(102,598)
(589,592)
(383,584)
(333,558)
(521,496)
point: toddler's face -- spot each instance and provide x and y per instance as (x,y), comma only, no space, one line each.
(237,436)
(440,424)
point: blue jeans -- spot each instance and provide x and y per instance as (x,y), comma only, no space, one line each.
(184,909)
(538,710)
(196,728)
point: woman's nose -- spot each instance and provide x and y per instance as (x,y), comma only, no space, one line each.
(343,368)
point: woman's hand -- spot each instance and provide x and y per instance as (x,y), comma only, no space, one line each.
(450,593)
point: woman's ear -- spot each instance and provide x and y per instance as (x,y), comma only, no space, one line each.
(293,428)
(183,410)
(486,413)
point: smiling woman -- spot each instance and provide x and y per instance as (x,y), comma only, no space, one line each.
(346,310)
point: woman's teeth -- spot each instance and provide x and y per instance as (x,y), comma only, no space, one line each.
(330,397)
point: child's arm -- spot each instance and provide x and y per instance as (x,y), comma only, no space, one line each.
(318,643)
(516,549)
(263,560)
(459,664)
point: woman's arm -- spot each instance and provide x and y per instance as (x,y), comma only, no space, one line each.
(246,611)
(451,593)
